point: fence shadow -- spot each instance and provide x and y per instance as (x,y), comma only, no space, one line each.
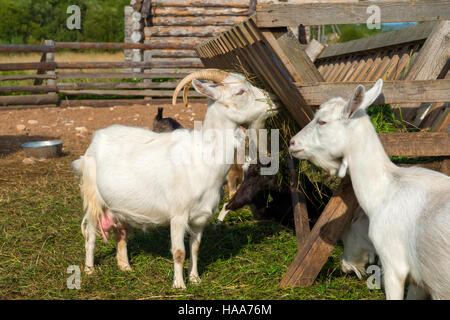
(12,143)
(219,242)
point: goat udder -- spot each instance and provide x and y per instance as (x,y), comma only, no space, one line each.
(107,222)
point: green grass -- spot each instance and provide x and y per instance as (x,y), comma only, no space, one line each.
(40,215)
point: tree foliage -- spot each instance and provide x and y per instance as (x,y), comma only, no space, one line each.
(32,21)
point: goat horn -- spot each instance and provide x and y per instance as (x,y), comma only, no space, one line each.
(215,75)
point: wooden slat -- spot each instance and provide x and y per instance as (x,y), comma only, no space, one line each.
(442,122)
(200,3)
(102,45)
(37,99)
(430,62)
(415,33)
(393,91)
(199,11)
(291,14)
(120,75)
(197,21)
(184,31)
(13,48)
(34,88)
(432,144)
(155,63)
(125,93)
(114,85)
(323,237)
(19,77)
(171,53)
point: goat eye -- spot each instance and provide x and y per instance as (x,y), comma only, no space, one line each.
(321,122)
(241,92)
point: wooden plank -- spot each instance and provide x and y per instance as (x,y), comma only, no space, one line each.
(155,63)
(120,75)
(171,53)
(323,237)
(301,219)
(200,3)
(102,45)
(199,11)
(114,85)
(125,93)
(197,21)
(314,49)
(433,144)
(184,31)
(19,77)
(33,88)
(430,62)
(419,32)
(442,122)
(47,99)
(433,55)
(294,58)
(291,14)
(393,91)
(114,102)
(120,46)
(13,48)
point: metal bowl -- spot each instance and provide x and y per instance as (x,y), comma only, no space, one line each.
(43,149)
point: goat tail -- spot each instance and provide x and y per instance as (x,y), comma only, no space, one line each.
(92,201)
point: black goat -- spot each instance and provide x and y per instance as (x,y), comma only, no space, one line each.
(161,124)
(269,199)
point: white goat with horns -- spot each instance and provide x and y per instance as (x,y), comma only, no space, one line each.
(134,177)
(408,208)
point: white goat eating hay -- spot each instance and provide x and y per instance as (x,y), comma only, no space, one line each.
(408,208)
(132,177)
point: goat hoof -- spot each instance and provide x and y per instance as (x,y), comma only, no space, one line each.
(89,270)
(126,267)
(179,285)
(195,279)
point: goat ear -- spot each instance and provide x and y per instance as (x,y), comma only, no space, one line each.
(356,101)
(206,90)
(372,94)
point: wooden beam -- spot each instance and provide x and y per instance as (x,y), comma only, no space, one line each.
(323,237)
(293,14)
(183,31)
(301,219)
(200,3)
(125,93)
(415,33)
(200,11)
(198,21)
(50,98)
(420,144)
(402,91)
(159,63)
(112,75)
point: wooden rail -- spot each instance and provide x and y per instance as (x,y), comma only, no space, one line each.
(394,92)
(291,14)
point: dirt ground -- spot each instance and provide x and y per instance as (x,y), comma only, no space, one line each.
(75,126)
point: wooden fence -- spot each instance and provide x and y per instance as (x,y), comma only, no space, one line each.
(50,82)
(419,56)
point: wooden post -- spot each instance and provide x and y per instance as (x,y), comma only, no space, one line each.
(300,210)
(323,237)
(50,57)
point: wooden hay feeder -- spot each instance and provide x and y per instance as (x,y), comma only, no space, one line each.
(414,63)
